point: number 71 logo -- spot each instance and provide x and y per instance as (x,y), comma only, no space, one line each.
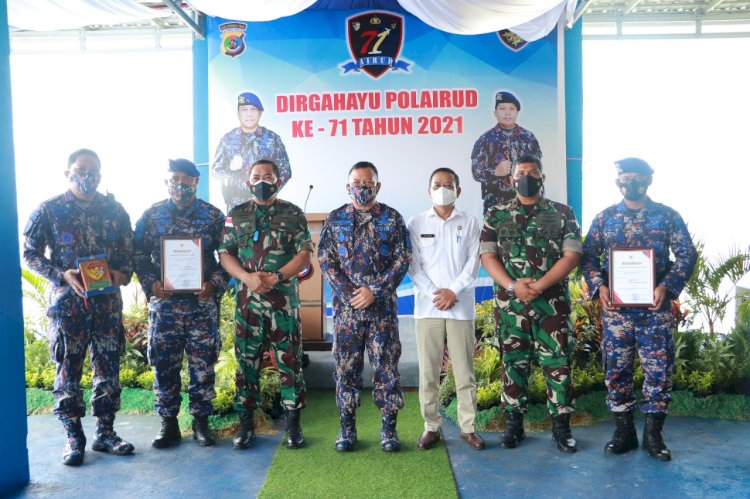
(375,40)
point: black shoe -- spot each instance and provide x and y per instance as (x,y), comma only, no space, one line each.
(561,434)
(625,437)
(653,439)
(246,433)
(107,440)
(513,429)
(389,441)
(294,437)
(75,447)
(201,433)
(348,435)
(169,434)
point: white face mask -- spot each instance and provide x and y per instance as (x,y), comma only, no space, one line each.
(443,196)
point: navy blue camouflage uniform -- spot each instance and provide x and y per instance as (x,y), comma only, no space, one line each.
(365,249)
(70,228)
(627,329)
(181,322)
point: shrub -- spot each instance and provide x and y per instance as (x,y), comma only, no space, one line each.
(47,378)
(145,380)
(447,390)
(489,395)
(128,377)
(537,390)
(223,401)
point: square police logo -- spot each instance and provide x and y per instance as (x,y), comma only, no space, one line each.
(375,40)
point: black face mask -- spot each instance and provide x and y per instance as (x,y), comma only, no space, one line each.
(633,190)
(528,186)
(263,190)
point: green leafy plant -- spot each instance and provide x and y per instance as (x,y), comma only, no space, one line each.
(707,294)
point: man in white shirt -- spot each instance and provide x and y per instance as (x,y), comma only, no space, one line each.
(444,266)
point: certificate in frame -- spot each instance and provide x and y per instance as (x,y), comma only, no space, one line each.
(632,277)
(182,264)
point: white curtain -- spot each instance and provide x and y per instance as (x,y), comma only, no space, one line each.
(530,19)
(52,15)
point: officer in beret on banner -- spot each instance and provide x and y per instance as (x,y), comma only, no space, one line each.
(637,221)
(498,149)
(77,224)
(243,146)
(181,322)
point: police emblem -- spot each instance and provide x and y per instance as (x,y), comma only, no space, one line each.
(375,40)
(511,40)
(232,38)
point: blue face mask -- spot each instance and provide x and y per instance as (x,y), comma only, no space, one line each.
(363,195)
(182,192)
(86,183)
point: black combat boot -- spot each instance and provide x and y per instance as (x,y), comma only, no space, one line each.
(294,437)
(561,434)
(653,439)
(201,433)
(625,437)
(389,441)
(246,433)
(513,429)
(76,444)
(348,435)
(107,440)
(169,434)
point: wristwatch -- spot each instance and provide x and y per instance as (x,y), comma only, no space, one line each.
(511,289)
(279,276)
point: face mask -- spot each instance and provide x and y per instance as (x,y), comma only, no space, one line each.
(85,183)
(362,195)
(182,192)
(528,186)
(263,190)
(633,190)
(443,196)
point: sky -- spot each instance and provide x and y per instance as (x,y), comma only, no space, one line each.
(681,105)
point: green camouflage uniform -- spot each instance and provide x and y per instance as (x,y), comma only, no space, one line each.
(265,238)
(529,240)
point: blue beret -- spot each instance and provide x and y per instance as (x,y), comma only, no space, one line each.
(633,165)
(183,166)
(249,99)
(505,97)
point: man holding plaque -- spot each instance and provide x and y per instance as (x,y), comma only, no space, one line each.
(634,323)
(529,246)
(84,226)
(265,244)
(175,244)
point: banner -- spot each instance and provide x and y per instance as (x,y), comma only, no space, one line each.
(338,87)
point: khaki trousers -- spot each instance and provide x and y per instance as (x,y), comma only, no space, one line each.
(432,336)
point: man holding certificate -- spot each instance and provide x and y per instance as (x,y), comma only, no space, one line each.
(529,246)
(175,244)
(265,244)
(76,233)
(627,267)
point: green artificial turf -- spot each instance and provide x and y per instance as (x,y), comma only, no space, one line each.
(317,470)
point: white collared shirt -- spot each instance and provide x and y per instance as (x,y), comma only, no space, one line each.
(445,254)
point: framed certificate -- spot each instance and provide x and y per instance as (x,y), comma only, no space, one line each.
(632,276)
(94,271)
(182,264)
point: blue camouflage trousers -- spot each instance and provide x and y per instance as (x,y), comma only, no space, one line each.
(650,334)
(96,329)
(378,334)
(178,325)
